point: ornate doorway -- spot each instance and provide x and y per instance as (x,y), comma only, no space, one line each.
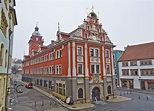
(96,94)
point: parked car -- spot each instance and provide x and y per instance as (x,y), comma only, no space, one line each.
(29,85)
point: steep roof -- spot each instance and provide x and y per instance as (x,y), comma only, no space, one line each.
(138,52)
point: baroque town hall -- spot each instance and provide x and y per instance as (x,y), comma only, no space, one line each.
(78,64)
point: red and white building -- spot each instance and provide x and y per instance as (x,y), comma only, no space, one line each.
(78,64)
(136,67)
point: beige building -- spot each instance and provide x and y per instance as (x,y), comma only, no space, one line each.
(7,23)
(136,67)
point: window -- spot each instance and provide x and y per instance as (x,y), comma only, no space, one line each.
(80,69)
(92,69)
(133,63)
(51,56)
(79,51)
(59,54)
(6,58)
(40,82)
(125,72)
(45,83)
(134,72)
(1,54)
(146,62)
(124,64)
(95,68)
(37,82)
(85,35)
(51,70)
(101,38)
(59,69)
(80,93)
(108,69)
(107,54)
(94,52)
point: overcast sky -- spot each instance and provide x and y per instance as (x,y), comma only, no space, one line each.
(127,22)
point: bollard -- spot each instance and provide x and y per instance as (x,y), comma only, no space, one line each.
(42,103)
(35,103)
(124,93)
(104,109)
(120,93)
(127,92)
(147,97)
(138,96)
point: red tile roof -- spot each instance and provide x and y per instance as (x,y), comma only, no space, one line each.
(138,52)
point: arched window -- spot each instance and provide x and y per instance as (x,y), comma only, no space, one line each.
(80,93)
(6,58)
(1,54)
(109,89)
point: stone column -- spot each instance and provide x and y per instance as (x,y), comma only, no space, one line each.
(74,80)
(113,73)
(69,60)
(104,74)
(74,59)
(86,81)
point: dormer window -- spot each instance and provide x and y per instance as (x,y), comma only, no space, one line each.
(85,35)
(101,38)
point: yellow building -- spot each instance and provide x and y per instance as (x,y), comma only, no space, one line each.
(7,23)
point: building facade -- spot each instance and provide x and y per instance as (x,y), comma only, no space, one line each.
(117,54)
(78,64)
(7,23)
(136,67)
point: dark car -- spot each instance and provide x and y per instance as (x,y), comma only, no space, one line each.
(29,85)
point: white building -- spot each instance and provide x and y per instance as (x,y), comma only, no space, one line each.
(7,23)
(136,67)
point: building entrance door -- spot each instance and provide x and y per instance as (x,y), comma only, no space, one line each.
(142,85)
(96,94)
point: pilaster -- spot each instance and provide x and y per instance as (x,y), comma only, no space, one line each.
(69,60)
(74,59)
(86,61)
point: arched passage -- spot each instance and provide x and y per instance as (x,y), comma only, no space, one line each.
(96,93)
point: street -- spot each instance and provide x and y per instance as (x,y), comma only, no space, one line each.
(32,100)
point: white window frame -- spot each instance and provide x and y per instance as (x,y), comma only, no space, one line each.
(78,69)
(58,72)
(106,53)
(95,71)
(81,50)
(58,54)
(94,52)
(52,56)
